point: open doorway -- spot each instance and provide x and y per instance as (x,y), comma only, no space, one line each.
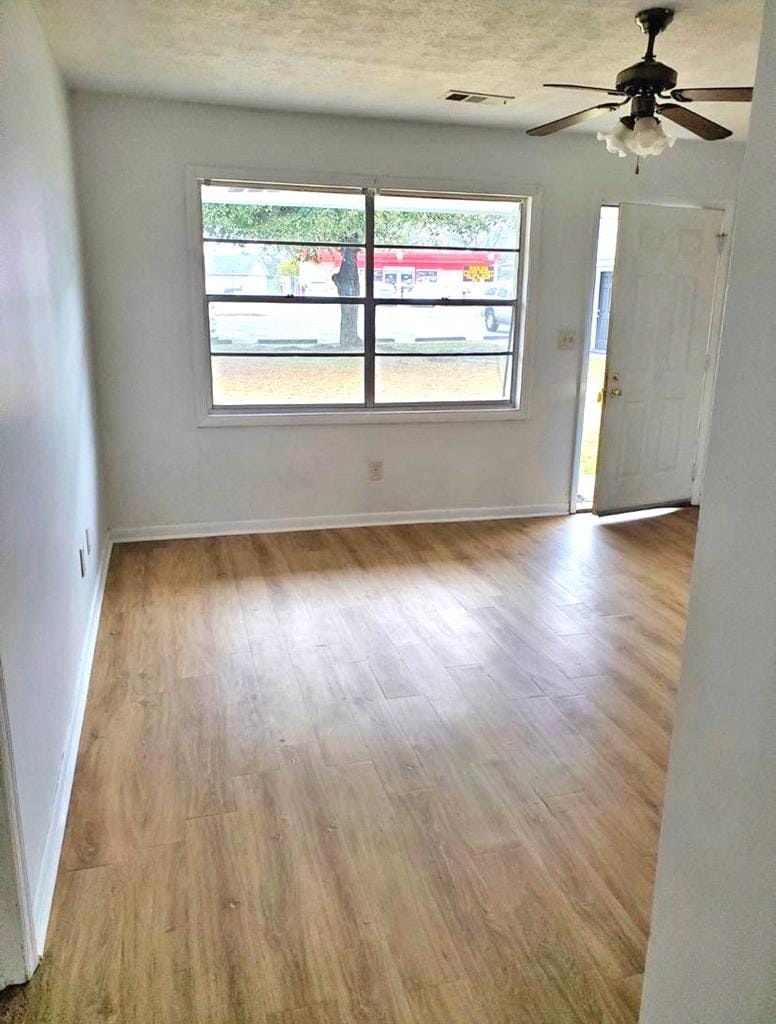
(649,369)
(596,357)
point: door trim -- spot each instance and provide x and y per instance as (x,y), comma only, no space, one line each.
(584,356)
(712,353)
(728,208)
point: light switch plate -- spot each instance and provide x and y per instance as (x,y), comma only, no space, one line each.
(567,340)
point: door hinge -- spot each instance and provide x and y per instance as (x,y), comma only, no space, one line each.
(721,239)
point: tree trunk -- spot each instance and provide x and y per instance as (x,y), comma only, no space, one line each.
(346,281)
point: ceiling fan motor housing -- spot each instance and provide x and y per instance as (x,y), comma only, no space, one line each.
(647,76)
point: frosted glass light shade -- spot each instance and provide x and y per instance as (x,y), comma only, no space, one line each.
(648,138)
(618,140)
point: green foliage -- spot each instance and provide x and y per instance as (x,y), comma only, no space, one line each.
(288,267)
(338,227)
(282,223)
(426,227)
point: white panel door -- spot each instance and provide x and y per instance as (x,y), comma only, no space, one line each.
(665,277)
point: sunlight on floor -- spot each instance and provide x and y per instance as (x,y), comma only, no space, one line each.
(641,513)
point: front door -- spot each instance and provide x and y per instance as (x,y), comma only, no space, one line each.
(662,305)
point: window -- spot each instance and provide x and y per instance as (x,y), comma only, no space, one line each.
(321,299)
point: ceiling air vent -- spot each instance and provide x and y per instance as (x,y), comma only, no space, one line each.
(466,96)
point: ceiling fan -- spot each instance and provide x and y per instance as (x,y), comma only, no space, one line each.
(642,85)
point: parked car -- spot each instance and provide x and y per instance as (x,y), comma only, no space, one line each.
(497,316)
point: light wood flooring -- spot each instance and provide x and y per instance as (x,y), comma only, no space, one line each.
(398,775)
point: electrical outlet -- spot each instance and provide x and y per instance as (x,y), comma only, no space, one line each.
(82,561)
(567,339)
(376,470)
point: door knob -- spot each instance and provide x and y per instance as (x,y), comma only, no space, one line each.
(615,392)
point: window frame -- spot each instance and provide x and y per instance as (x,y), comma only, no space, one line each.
(514,407)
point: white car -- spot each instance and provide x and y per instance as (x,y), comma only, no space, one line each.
(497,316)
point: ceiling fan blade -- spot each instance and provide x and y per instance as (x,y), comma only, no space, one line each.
(725,94)
(695,123)
(566,122)
(587,88)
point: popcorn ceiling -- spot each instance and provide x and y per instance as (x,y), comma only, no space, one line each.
(394,59)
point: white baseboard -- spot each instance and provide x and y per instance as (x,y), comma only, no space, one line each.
(44,891)
(432,515)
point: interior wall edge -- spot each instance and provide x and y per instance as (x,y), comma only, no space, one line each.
(52,517)
(712,943)
(19,956)
(44,891)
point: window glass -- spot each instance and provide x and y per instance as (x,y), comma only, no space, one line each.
(294,321)
(426,220)
(444,329)
(254,327)
(287,380)
(430,379)
(252,268)
(282,215)
(445,274)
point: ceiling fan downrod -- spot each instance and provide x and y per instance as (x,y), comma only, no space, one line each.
(652,22)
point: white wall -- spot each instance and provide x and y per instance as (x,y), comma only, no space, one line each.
(49,480)
(712,955)
(161,469)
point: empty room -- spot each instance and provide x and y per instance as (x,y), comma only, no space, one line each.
(387,532)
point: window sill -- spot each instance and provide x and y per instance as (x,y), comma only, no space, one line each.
(373,416)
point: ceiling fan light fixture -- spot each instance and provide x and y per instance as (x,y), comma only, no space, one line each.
(618,141)
(649,138)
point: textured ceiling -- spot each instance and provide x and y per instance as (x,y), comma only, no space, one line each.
(396,58)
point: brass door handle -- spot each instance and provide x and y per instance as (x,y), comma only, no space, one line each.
(615,392)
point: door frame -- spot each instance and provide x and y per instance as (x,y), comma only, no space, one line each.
(727,206)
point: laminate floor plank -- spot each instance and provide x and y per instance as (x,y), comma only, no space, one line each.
(391,753)
(587,764)
(393,676)
(616,748)
(430,675)
(617,860)
(249,742)
(395,775)
(404,906)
